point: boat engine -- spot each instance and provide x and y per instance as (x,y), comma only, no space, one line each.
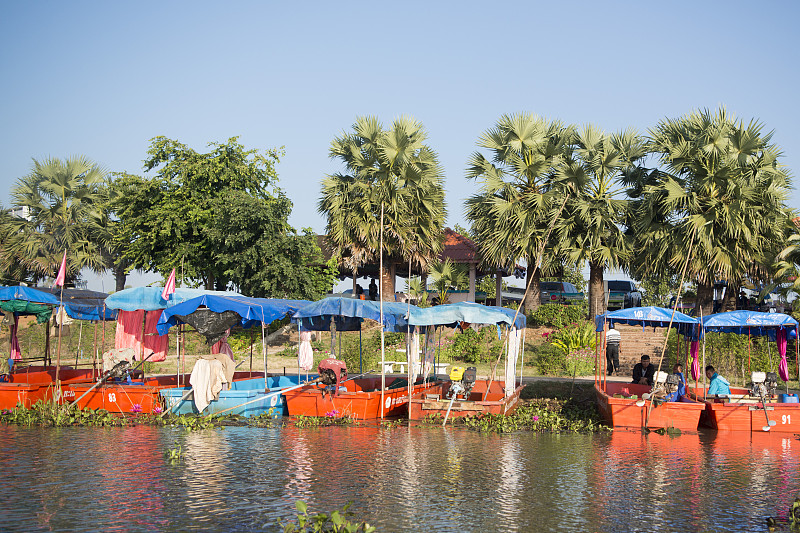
(331,373)
(121,370)
(764,384)
(661,386)
(461,381)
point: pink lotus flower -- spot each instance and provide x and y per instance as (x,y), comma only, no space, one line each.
(332,414)
(157,409)
(137,408)
(535,418)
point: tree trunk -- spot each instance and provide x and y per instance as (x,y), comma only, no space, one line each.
(705,298)
(387,281)
(597,302)
(498,288)
(210,280)
(120,277)
(731,293)
(534,298)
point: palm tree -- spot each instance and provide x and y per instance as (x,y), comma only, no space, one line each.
(590,229)
(447,276)
(60,198)
(722,189)
(392,183)
(519,190)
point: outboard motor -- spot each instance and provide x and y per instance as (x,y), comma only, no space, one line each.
(673,384)
(764,384)
(461,381)
(121,370)
(331,373)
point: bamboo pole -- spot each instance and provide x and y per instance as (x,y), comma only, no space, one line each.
(383,336)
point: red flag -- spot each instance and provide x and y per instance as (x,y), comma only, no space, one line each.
(62,272)
(169,287)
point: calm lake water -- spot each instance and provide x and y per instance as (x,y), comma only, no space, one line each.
(419,479)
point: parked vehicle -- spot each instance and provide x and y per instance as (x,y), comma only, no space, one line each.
(621,294)
(560,292)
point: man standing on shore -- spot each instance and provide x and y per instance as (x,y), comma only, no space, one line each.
(613,342)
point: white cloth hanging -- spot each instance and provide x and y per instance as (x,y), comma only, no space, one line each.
(514,338)
(305,353)
(413,357)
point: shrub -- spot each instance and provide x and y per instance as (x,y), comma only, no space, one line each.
(549,359)
(580,362)
(558,315)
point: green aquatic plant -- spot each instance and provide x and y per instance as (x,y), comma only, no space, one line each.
(174,455)
(336,522)
(330,419)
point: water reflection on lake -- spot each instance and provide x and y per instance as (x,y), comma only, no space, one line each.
(422,479)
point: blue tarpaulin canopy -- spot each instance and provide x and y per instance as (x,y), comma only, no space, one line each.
(251,310)
(657,317)
(348,313)
(748,322)
(452,314)
(27,294)
(82,304)
(149,298)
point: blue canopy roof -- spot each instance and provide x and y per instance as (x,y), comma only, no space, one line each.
(252,310)
(82,304)
(149,298)
(748,322)
(28,294)
(348,313)
(657,317)
(451,314)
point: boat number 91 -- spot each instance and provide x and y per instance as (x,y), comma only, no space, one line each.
(786,419)
(113,397)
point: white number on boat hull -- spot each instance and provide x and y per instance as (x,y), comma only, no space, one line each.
(786,419)
(112,397)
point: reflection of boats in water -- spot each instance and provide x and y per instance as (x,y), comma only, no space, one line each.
(246,397)
(34,384)
(621,405)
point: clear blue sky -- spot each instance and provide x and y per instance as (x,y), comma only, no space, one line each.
(102,78)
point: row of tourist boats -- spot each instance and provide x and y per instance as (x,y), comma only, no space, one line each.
(758,408)
(328,392)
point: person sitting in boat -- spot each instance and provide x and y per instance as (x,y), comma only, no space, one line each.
(643,372)
(718,385)
(676,395)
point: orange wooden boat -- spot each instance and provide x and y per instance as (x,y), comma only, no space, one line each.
(361,400)
(434,401)
(618,407)
(123,397)
(34,384)
(740,411)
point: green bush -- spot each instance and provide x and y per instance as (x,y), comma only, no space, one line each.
(549,359)
(580,362)
(558,315)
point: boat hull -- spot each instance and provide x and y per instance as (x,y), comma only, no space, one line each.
(423,404)
(624,413)
(247,397)
(37,384)
(748,414)
(361,400)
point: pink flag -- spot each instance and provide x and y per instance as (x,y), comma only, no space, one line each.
(62,272)
(169,287)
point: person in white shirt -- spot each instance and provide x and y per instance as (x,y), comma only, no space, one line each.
(613,342)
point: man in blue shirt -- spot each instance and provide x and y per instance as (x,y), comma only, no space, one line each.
(718,385)
(676,396)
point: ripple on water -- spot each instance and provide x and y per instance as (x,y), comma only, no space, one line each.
(423,479)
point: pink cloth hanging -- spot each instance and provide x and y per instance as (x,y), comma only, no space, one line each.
(222,345)
(305,353)
(783,368)
(129,330)
(152,340)
(695,348)
(16,353)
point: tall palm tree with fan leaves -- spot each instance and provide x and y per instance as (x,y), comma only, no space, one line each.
(60,197)
(520,190)
(390,175)
(720,188)
(591,228)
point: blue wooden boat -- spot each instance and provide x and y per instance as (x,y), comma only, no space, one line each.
(246,397)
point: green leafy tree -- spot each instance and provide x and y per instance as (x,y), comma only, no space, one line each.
(392,181)
(447,276)
(590,229)
(261,254)
(60,199)
(518,194)
(720,191)
(169,218)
